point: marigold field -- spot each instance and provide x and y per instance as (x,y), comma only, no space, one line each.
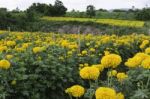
(74,66)
(111,22)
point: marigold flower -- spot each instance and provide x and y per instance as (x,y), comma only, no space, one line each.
(144,43)
(3,48)
(136,60)
(106,53)
(9,56)
(146,63)
(11,43)
(111,60)
(121,76)
(37,49)
(120,96)
(133,62)
(13,82)
(75,91)
(90,73)
(99,66)
(92,50)
(147,50)
(112,73)
(64,43)
(105,93)
(4,64)
(84,52)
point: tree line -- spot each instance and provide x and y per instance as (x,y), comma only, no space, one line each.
(21,20)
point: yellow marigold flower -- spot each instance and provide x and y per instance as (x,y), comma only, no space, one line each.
(37,49)
(11,43)
(25,45)
(92,50)
(111,60)
(75,91)
(13,82)
(105,93)
(147,50)
(120,96)
(84,52)
(121,76)
(106,53)
(142,55)
(68,91)
(3,48)
(79,55)
(64,43)
(61,58)
(90,73)
(9,56)
(136,60)
(133,62)
(73,46)
(69,52)
(4,64)
(112,73)
(144,43)
(142,46)
(81,65)
(20,49)
(86,64)
(146,63)
(87,44)
(99,66)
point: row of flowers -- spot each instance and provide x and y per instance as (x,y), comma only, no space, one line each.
(112,22)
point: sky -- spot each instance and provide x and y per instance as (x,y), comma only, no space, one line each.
(77,4)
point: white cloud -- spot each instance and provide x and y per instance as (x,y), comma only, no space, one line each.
(77,4)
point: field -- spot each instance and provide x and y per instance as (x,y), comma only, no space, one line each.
(49,66)
(112,22)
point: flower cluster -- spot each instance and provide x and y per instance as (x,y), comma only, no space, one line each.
(5,64)
(111,61)
(90,73)
(76,91)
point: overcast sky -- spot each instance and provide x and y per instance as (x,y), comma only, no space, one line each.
(78,4)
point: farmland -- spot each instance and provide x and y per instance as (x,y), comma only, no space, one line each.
(74,49)
(112,22)
(37,65)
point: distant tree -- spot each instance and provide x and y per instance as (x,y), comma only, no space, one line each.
(30,15)
(59,8)
(39,8)
(90,11)
(119,10)
(143,14)
(102,10)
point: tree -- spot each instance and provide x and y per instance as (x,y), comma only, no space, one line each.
(143,14)
(90,11)
(39,8)
(59,8)
(30,14)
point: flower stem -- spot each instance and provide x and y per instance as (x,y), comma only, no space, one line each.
(147,84)
(70,96)
(91,94)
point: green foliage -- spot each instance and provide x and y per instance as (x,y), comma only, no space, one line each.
(58,9)
(39,76)
(76,14)
(90,11)
(143,14)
